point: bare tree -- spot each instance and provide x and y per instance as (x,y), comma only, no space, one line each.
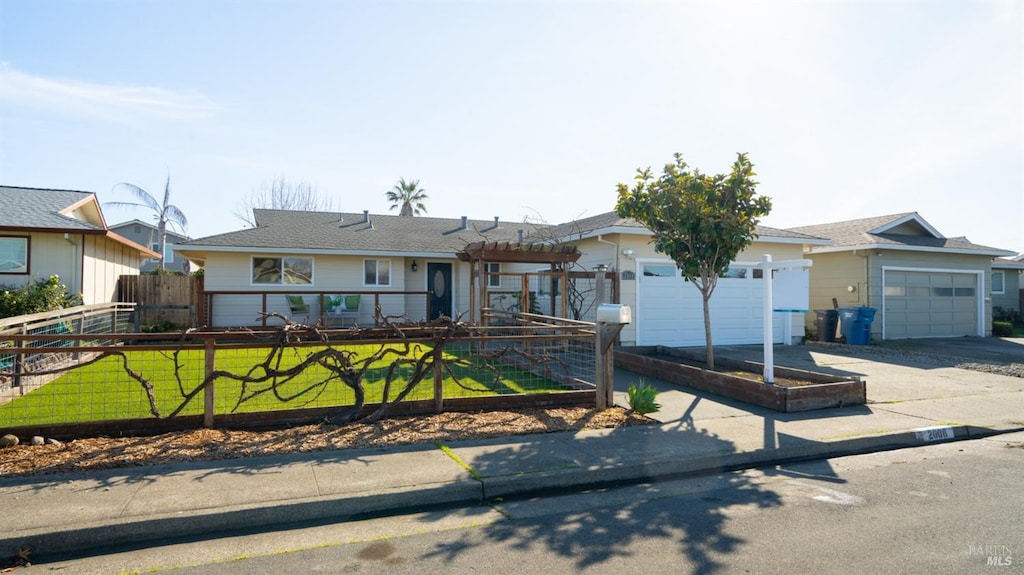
(282,194)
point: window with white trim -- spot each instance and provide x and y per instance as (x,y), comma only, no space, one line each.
(999,282)
(376,272)
(282,270)
(493,279)
(13,255)
(168,253)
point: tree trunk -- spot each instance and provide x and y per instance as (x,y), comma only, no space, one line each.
(707,330)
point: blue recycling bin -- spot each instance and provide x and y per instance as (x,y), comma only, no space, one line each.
(855,324)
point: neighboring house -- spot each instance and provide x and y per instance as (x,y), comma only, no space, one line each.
(292,251)
(146,234)
(668,310)
(62,232)
(922,283)
(1006,284)
(296,252)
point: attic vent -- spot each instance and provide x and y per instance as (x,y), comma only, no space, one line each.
(366,217)
(465,223)
(495,221)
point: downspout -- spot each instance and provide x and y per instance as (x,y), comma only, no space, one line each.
(615,245)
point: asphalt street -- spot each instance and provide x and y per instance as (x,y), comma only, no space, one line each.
(944,508)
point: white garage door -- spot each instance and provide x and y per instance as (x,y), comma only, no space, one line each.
(670,310)
(930,304)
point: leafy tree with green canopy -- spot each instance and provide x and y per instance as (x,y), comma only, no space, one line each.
(408,196)
(700,221)
(163,212)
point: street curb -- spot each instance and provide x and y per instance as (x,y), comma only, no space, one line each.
(667,469)
(89,538)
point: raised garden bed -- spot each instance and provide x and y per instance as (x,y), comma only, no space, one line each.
(793,390)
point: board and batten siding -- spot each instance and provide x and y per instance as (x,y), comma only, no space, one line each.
(103,262)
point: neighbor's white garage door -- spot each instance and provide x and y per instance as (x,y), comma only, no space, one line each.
(930,304)
(670,310)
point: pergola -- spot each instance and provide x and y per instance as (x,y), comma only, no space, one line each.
(479,254)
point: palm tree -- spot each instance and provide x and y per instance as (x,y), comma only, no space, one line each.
(163,213)
(409,196)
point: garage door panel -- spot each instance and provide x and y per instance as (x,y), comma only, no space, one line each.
(930,304)
(670,313)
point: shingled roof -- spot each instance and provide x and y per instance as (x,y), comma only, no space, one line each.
(34,208)
(361,233)
(611,222)
(906,231)
(55,211)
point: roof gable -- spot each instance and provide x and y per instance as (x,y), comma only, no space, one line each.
(43,209)
(907,231)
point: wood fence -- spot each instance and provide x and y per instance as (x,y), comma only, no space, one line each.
(160,300)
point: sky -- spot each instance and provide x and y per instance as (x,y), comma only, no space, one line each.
(522,109)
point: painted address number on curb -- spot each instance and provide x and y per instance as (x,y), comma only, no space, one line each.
(935,433)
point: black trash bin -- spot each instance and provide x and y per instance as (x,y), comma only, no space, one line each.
(826,324)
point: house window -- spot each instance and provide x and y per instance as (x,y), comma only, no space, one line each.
(13,255)
(377,272)
(493,280)
(998,282)
(278,271)
(662,271)
(168,253)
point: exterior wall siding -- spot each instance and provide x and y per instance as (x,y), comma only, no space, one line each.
(1010,298)
(833,273)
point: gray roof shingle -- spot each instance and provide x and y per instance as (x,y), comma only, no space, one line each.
(286,229)
(608,220)
(853,233)
(24,208)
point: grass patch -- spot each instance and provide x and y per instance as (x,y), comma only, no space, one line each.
(104,390)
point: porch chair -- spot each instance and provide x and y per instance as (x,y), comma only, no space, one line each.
(297,305)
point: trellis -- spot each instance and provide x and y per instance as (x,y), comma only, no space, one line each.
(479,254)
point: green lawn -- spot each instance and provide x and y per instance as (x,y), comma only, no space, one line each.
(104,390)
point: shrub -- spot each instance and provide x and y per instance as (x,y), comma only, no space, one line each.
(1002,329)
(1010,316)
(642,398)
(35,297)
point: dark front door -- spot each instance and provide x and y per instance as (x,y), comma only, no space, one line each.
(439,284)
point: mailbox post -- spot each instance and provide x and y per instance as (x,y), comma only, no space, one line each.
(611,318)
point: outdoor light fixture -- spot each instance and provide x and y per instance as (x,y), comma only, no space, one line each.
(601,268)
(414,266)
(628,253)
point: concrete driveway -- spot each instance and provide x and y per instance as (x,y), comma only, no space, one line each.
(980,349)
(902,375)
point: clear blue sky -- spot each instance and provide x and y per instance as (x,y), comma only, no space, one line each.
(523,109)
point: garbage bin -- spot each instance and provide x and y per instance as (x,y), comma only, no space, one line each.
(866,315)
(826,324)
(855,324)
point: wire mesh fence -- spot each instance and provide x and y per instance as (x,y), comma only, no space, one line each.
(67,379)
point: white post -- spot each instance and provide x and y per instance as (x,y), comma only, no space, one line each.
(769,352)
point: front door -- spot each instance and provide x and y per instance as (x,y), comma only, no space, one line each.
(439,284)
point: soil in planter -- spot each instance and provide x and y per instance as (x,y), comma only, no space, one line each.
(757,376)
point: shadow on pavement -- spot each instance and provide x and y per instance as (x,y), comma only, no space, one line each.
(593,534)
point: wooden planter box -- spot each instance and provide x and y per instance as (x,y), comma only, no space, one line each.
(827,391)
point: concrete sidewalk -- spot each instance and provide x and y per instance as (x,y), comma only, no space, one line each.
(699,433)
